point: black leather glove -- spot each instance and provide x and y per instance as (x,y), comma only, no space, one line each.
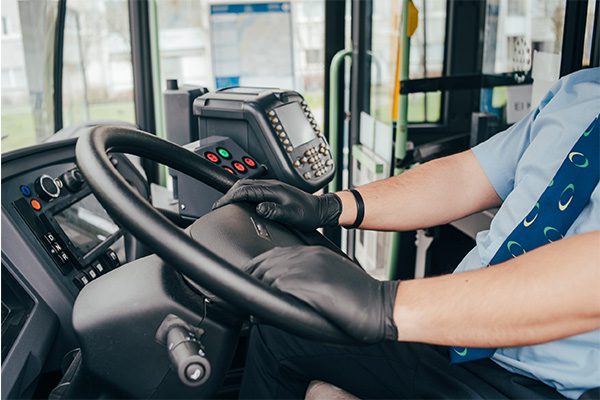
(334,286)
(286,204)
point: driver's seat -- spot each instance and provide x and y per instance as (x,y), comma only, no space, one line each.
(318,390)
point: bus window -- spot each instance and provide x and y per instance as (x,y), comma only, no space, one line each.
(426,58)
(184,41)
(219,44)
(589,32)
(27,71)
(97,69)
(516,28)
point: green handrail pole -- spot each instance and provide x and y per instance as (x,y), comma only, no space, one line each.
(337,62)
(401,130)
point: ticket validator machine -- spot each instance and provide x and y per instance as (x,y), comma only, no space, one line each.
(253,133)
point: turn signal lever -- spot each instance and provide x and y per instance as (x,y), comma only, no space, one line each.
(185,350)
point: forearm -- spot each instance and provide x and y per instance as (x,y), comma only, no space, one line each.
(544,295)
(431,194)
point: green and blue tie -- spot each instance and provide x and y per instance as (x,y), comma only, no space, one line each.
(552,215)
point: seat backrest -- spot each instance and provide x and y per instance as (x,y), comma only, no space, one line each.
(592,394)
(318,390)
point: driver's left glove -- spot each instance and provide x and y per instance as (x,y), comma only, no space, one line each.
(334,286)
(285,203)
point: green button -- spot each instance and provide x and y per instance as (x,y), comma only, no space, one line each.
(224,153)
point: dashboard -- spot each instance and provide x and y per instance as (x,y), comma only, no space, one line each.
(56,238)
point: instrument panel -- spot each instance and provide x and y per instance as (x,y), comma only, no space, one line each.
(56,238)
(56,208)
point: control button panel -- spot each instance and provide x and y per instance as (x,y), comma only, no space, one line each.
(312,160)
(229,156)
(315,161)
(38,202)
(196,198)
(57,250)
(45,234)
(45,189)
(105,263)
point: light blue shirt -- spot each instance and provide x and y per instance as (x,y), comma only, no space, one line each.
(520,162)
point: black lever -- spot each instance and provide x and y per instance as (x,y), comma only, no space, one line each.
(186,351)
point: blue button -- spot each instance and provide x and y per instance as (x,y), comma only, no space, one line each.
(25,190)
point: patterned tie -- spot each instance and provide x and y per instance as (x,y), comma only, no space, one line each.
(552,215)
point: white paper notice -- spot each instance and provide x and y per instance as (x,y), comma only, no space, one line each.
(518,103)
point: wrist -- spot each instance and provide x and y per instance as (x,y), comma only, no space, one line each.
(330,209)
(349,210)
(406,315)
(390,292)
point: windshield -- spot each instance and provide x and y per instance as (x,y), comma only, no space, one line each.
(97,75)
(97,80)
(27,71)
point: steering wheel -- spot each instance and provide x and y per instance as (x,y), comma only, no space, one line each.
(192,256)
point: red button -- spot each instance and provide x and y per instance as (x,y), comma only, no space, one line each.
(249,162)
(212,157)
(36,205)
(239,167)
(229,170)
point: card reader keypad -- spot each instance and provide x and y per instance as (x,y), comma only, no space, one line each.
(311,160)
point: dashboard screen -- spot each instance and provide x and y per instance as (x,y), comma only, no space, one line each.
(295,124)
(86,223)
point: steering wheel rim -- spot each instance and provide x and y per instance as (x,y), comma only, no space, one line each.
(169,242)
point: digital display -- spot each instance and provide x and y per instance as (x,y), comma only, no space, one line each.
(86,223)
(295,124)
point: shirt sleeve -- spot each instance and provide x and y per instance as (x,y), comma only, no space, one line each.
(499,155)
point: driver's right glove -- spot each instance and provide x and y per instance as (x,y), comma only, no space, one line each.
(286,204)
(334,287)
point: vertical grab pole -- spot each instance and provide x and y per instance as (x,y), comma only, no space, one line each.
(156,83)
(334,130)
(401,133)
(402,127)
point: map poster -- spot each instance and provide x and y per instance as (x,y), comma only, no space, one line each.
(252,44)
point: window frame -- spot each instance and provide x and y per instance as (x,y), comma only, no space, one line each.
(59,45)
(573,34)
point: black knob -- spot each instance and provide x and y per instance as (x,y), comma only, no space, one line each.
(47,188)
(73,180)
(172,84)
(187,356)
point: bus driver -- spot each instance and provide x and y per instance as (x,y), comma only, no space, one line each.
(519,318)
